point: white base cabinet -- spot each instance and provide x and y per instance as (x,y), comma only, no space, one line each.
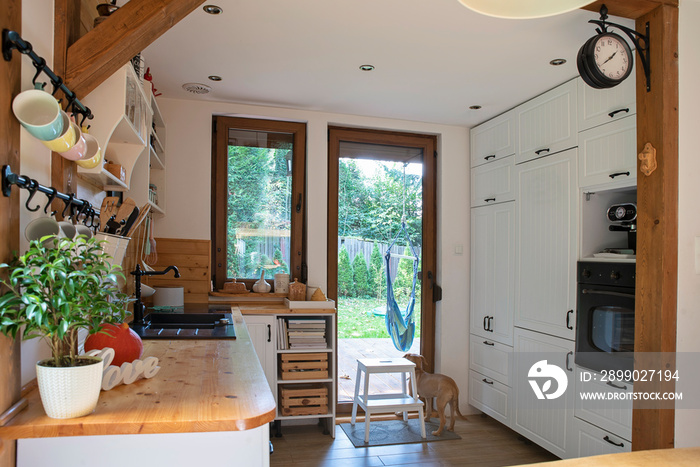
(491,397)
(261,329)
(594,441)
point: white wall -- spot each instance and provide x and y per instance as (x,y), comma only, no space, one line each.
(688,421)
(35,158)
(188,166)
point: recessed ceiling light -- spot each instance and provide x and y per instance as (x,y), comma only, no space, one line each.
(212,9)
(474,107)
(366,67)
(557,61)
(215,78)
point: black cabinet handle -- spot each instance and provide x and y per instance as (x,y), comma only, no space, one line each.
(617,174)
(269,333)
(616,386)
(491,156)
(486,381)
(489,343)
(485,318)
(489,199)
(541,151)
(490,322)
(568,354)
(619,445)
(612,114)
(568,317)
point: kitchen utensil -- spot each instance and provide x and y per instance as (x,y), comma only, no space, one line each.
(125,210)
(152,258)
(129,222)
(107,210)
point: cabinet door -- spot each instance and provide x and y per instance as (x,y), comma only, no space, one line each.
(594,441)
(546,248)
(262,334)
(615,415)
(490,396)
(494,139)
(491,359)
(492,271)
(547,422)
(493,182)
(608,152)
(547,123)
(600,106)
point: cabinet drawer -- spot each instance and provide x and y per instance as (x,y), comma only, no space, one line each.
(593,441)
(490,396)
(614,416)
(608,152)
(494,139)
(493,182)
(490,358)
(547,123)
(600,106)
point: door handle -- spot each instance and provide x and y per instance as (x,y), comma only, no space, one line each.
(616,386)
(490,329)
(485,318)
(539,151)
(487,200)
(487,381)
(612,114)
(489,343)
(269,333)
(619,445)
(568,367)
(568,317)
(617,174)
(437,290)
(490,156)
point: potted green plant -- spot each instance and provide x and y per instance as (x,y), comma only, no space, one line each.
(53,290)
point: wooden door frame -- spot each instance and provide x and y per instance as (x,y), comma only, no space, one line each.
(428,144)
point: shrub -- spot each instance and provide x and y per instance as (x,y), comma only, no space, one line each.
(360,275)
(345,288)
(376,273)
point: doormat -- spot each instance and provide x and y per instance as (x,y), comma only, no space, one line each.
(385,432)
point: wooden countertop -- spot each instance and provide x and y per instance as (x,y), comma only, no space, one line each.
(202,386)
(683,457)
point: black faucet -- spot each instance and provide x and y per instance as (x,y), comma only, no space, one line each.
(138,304)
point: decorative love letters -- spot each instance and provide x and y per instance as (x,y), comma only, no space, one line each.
(127,373)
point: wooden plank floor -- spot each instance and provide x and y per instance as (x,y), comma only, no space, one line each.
(350,350)
(484,442)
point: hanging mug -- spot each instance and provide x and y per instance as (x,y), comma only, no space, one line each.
(39,113)
(67,138)
(77,151)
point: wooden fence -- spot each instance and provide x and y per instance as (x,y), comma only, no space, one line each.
(356,246)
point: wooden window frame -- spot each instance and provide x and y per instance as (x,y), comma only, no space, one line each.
(219,163)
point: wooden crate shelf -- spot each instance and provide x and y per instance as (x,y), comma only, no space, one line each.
(299,366)
(304,399)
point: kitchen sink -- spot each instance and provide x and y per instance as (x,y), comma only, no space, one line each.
(186,326)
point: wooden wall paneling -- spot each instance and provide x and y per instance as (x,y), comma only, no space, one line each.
(193,260)
(10,374)
(102,51)
(657,225)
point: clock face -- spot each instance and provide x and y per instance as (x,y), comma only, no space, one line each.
(612,57)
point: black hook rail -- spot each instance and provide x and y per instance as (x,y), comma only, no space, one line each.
(74,207)
(11,40)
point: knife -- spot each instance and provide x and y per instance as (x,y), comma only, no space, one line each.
(129,222)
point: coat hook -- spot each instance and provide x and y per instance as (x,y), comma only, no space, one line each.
(51,196)
(32,187)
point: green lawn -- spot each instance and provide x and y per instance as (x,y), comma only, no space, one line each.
(355,318)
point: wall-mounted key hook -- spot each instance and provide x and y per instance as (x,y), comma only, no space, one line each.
(51,196)
(32,187)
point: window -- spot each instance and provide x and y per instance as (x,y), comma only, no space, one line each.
(258,170)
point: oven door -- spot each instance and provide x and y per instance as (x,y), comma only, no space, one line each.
(605,327)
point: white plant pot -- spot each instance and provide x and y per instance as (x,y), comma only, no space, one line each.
(69,392)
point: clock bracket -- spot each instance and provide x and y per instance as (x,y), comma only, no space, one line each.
(640,41)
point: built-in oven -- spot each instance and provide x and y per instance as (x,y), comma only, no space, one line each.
(605,317)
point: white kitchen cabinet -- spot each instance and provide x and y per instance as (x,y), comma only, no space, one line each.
(608,153)
(494,139)
(547,422)
(546,244)
(594,441)
(493,182)
(262,331)
(614,416)
(547,123)
(493,271)
(491,359)
(490,396)
(600,106)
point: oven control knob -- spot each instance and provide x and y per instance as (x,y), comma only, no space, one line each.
(586,273)
(614,275)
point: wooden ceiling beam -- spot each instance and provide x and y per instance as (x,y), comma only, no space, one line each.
(101,52)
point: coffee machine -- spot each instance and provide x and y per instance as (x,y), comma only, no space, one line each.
(624,219)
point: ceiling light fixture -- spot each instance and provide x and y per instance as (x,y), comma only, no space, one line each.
(474,107)
(215,78)
(212,9)
(521,9)
(366,67)
(557,61)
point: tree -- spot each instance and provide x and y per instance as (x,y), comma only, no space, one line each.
(360,275)
(376,272)
(404,276)
(345,288)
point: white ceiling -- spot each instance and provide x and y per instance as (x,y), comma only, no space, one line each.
(433,58)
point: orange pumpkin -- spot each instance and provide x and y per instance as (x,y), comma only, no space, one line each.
(126,343)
